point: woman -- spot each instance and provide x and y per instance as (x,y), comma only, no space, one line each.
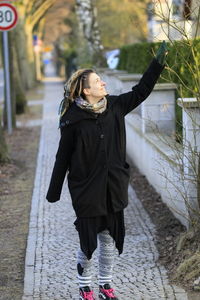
(92,148)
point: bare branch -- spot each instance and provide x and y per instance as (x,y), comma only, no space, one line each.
(34,18)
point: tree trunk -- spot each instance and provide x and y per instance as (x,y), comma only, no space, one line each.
(23,75)
(26,67)
(19,82)
(29,42)
(12,78)
(87,16)
(3,147)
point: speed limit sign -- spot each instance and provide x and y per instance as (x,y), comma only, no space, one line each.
(8,20)
(8,16)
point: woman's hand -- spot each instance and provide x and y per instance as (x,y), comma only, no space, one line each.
(162,53)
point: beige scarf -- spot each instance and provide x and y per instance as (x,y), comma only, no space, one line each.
(98,107)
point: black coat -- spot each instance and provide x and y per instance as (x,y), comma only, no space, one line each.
(93,148)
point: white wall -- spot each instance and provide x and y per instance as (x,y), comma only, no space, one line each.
(156,161)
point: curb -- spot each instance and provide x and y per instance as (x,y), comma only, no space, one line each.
(32,235)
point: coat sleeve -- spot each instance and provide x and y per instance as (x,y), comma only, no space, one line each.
(128,101)
(61,165)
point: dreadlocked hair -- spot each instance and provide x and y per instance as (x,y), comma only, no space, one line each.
(73,88)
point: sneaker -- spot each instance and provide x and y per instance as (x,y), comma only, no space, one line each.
(106,292)
(86,293)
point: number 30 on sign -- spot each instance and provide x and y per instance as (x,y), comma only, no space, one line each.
(8,16)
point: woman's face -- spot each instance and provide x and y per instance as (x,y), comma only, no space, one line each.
(96,90)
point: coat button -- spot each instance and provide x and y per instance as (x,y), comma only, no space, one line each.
(102,136)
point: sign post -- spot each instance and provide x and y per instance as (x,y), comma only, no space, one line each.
(8,20)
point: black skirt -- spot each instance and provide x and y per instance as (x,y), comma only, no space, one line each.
(88,228)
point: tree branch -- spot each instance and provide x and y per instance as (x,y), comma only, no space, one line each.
(39,13)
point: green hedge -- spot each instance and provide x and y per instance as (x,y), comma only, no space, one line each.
(136,58)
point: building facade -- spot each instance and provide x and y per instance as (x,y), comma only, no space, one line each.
(173,19)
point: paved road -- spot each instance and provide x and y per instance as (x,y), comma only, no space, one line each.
(50,269)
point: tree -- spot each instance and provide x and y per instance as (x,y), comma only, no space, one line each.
(30,14)
(62,36)
(122,22)
(22,63)
(89,30)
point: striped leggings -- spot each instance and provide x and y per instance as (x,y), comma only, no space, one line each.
(106,248)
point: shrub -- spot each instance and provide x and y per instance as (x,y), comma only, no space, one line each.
(183,62)
(135,59)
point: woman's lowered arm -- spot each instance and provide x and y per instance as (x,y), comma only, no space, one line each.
(61,164)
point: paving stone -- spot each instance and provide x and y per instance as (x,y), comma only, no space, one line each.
(50,271)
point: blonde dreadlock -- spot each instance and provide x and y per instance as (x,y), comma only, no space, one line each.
(74,88)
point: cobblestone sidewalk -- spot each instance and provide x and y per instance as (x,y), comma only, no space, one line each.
(50,267)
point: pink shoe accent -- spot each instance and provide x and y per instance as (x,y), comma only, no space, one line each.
(88,295)
(108,292)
